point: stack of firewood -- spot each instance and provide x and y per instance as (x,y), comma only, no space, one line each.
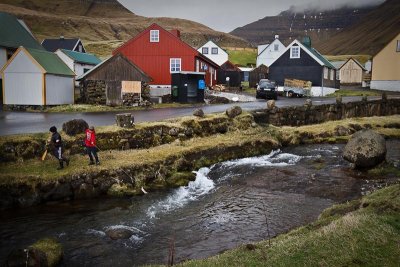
(131,99)
(94,92)
(219,87)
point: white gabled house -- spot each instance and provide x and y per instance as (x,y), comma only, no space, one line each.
(267,53)
(78,62)
(36,78)
(214,52)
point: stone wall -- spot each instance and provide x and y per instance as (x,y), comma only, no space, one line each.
(310,114)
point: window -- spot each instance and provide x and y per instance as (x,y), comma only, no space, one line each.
(276,47)
(175,64)
(398,46)
(214,50)
(332,75)
(80,48)
(154,36)
(295,52)
(326,73)
(205,51)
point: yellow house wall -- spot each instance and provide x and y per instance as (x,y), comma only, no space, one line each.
(386,64)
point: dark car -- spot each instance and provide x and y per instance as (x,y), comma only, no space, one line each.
(267,89)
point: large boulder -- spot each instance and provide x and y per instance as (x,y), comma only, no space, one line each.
(198,113)
(125,120)
(74,127)
(119,232)
(233,112)
(365,149)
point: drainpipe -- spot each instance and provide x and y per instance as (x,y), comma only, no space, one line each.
(322,87)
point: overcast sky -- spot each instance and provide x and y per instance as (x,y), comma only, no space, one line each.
(226,15)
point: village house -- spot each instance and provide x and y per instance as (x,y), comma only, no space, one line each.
(37,77)
(73,44)
(159,53)
(267,53)
(350,72)
(386,67)
(261,72)
(212,51)
(115,81)
(78,62)
(301,61)
(229,74)
(13,34)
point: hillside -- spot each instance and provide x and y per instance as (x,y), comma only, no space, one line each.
(369,35)
(103,24)
(291,24)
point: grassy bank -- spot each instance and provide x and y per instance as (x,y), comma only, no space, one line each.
(363,232)
(350,92)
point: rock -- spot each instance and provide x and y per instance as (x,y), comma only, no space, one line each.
(74,127)
(270,104)
(233,112)
(26,257)
(198,113)
(339,100)
(342,131)
(173,132)
(212,99)
(125,120)
(51,248)
(116,233)
(365,149)
(308,103)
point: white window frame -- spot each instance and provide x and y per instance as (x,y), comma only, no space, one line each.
(213,49)
(175,65)
(293,51)
(204,50)
(326,73)
(154,36)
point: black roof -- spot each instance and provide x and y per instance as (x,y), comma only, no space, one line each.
(52,45)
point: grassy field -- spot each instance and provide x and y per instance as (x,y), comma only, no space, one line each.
(243,57)
(350,92)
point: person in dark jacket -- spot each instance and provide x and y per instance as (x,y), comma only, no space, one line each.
(90,143)
(58,149)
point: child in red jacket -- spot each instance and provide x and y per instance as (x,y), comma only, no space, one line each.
(90,143)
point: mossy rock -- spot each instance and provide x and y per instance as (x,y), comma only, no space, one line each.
(122,190)
(52,248)
(180,179)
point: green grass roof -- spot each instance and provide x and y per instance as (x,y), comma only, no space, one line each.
(14,35)
(82,57)
(50,62)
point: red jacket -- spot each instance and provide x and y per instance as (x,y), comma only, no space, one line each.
(90,140)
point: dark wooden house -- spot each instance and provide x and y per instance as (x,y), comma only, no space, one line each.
(301,61)
(228,69)
(74,44)
(109,81)
(261,72)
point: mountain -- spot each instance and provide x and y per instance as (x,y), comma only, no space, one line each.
(104,24)
(292,24)
(369,35)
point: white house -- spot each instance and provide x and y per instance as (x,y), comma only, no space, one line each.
(214,52)
(37,77)
(268,53)
(78,62)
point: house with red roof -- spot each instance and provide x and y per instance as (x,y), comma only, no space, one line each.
(159,53)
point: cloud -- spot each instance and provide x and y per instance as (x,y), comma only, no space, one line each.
(323,5)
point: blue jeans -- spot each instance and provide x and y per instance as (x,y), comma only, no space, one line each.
(92,152)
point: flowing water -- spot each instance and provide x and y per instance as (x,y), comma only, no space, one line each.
(226,206)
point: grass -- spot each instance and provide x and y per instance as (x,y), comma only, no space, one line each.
(243,57)
(51,248)
(103,108)
(349,92)
(345,235)
(360,58)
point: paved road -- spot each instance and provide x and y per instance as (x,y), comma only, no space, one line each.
(34,122)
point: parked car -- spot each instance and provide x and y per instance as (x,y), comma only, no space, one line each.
(294,92)
(267,89)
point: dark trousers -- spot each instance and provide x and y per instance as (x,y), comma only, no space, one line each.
(92,152)
(58,153)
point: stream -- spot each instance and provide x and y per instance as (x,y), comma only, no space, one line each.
(226,206)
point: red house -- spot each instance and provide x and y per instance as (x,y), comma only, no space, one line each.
(159,53)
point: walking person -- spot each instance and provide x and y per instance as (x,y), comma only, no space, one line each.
(91,148)
(58,149)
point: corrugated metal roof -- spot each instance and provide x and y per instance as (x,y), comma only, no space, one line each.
(82,57)
(50,62)
(53,45)
(13,34)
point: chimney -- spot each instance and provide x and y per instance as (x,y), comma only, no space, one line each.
(276,36)
(176,32)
